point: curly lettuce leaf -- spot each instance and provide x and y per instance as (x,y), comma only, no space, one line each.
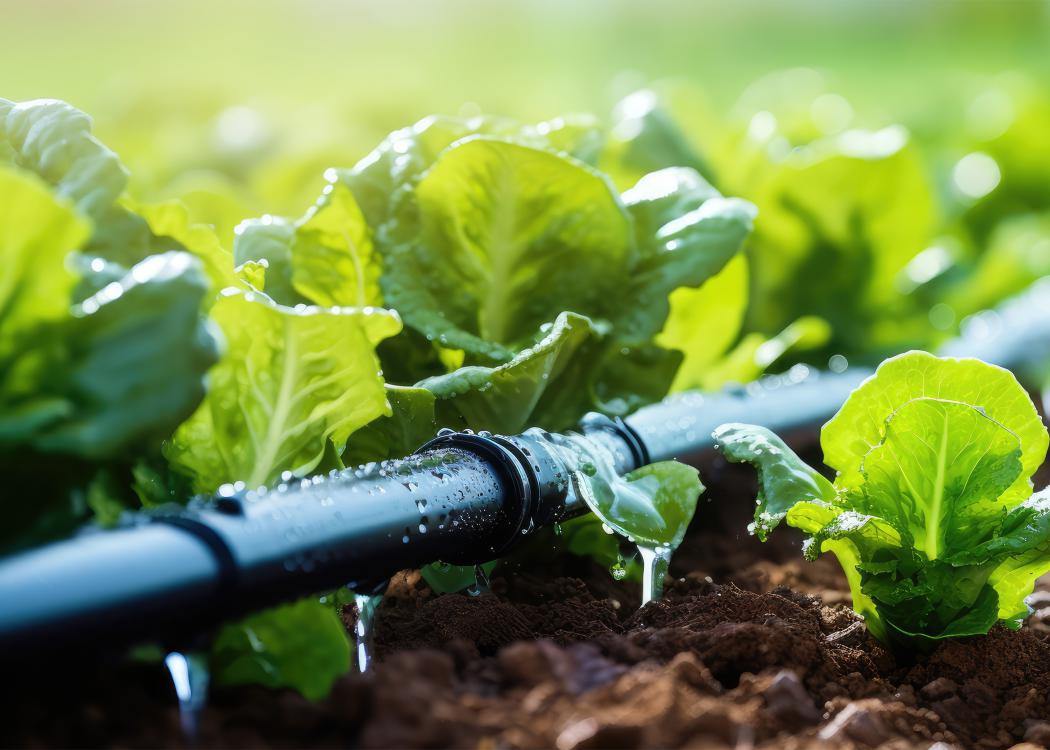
(172,219)
(686,232)
(477,222)
(528,391)
(291,381)
(939,474)
(37,232)
(384,179)
(267,241)
(476,242)
(860,424)
(53,140)
(861,544)
(1020,553)
(325,258)
(498,225)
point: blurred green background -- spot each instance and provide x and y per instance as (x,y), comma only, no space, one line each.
(330,78)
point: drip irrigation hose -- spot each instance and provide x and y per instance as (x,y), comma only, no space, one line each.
(168,573)
(464,498)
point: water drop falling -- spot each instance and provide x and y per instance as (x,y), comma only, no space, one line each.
(618,570)
(481,582)
(364,630)
(655,561)
(189,675)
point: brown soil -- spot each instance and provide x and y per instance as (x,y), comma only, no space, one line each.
(750,647)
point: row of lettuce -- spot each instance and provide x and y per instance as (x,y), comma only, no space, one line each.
(468,273)
(883,230)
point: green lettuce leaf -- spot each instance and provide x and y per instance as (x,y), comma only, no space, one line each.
(939,474)
(302,646)
(1019,552)
(53,140)
(860,424)
(410,424)
(325,258)
(477,221)
(646,137)
(861,544)
(755,354)
(498,223)
(528,391)
(383,181)
(656,505)
(704,323)
(37,232)
(291,381)
(651,508)
(475,242)
(1017,254)
(172,219)
(96,378)
(119,382)
(784,479)
(444,578)
(267,241)
(686,233)
(627,377)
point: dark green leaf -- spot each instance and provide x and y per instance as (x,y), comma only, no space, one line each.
(301,646)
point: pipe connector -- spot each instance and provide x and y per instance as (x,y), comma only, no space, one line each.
(521,484)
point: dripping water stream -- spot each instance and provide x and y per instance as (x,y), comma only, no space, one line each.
(481,582)
(594,479)
(655,562)
(190,677)
(365,607)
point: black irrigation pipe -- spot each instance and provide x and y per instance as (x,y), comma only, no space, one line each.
(462,498)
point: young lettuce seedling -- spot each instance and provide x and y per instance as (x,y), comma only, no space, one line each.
(931,513)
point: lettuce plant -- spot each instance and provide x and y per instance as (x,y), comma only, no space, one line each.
(103,348)
(931,513)
(531,292)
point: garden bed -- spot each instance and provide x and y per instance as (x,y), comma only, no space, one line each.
(750,646)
